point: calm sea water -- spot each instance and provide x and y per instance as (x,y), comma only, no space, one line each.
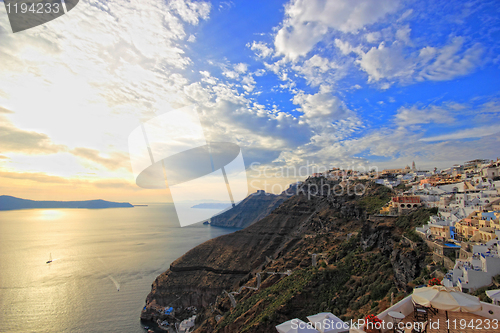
(95,253)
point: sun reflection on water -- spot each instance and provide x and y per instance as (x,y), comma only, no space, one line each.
(50,214)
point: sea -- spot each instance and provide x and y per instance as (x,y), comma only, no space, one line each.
(103,264)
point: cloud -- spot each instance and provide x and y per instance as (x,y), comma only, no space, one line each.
(115,161)
(414,115)
(385,63)
(405,15)
(134,59)
(241,68)
(298,41)
(372,37)
(44,178)
(5,111)
(236,70)
(116,63)
(38,177)
(449,62)
(345,47)
(403,34)
(468,133)
(191,12)
(13,139)
(398,61)
(115,184)
(261,49)
(308,21)
(492,106)
(320,109)
(248,83)
(315,68)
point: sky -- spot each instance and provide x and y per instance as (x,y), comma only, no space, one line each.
(301,83)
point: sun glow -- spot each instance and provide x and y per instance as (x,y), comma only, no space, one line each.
(50,214)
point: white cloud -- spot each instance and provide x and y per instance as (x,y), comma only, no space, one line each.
(403,34)
(372,37)
(115,64)
(345,47)
(468,133)
(492,106)
(385,63)
(320,109)
(449,62)
(236,70)
(298,41)
(405,15)
(241,68)
(260,72)
(261,49)
(248,83)
(230,74)
(191,12)
(397,62)
(414,115)
(314,69)
(248,80)
(307,22)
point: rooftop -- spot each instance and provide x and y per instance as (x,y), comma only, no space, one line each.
(487,314)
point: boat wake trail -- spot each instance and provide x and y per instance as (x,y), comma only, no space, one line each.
(117,284)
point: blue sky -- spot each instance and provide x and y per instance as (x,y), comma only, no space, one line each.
(346,83)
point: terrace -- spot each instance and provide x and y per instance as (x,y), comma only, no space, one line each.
(460,322)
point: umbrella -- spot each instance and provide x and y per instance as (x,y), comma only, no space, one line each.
(444,298)
(494,295)
(327,322)
(295,326)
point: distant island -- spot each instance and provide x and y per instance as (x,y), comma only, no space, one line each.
(212,205)
(12,203)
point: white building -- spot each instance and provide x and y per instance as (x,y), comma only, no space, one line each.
(476,272)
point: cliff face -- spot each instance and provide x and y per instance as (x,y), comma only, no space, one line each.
(406,263)
(253,208)
(203,273)
(359,263)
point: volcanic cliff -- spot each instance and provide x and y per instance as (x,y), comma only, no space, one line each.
(318,251)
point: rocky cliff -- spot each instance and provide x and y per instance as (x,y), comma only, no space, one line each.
(318,251)
(253,208)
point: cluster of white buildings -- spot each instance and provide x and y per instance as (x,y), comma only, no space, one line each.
(477,269)
(468,220)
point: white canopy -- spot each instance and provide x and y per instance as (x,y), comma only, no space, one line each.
(295,326)
(494,295)
(444,298)
(327,322)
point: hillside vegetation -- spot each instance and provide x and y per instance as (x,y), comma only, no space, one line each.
(362,264)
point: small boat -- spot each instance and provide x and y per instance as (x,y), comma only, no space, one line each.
(50,260)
